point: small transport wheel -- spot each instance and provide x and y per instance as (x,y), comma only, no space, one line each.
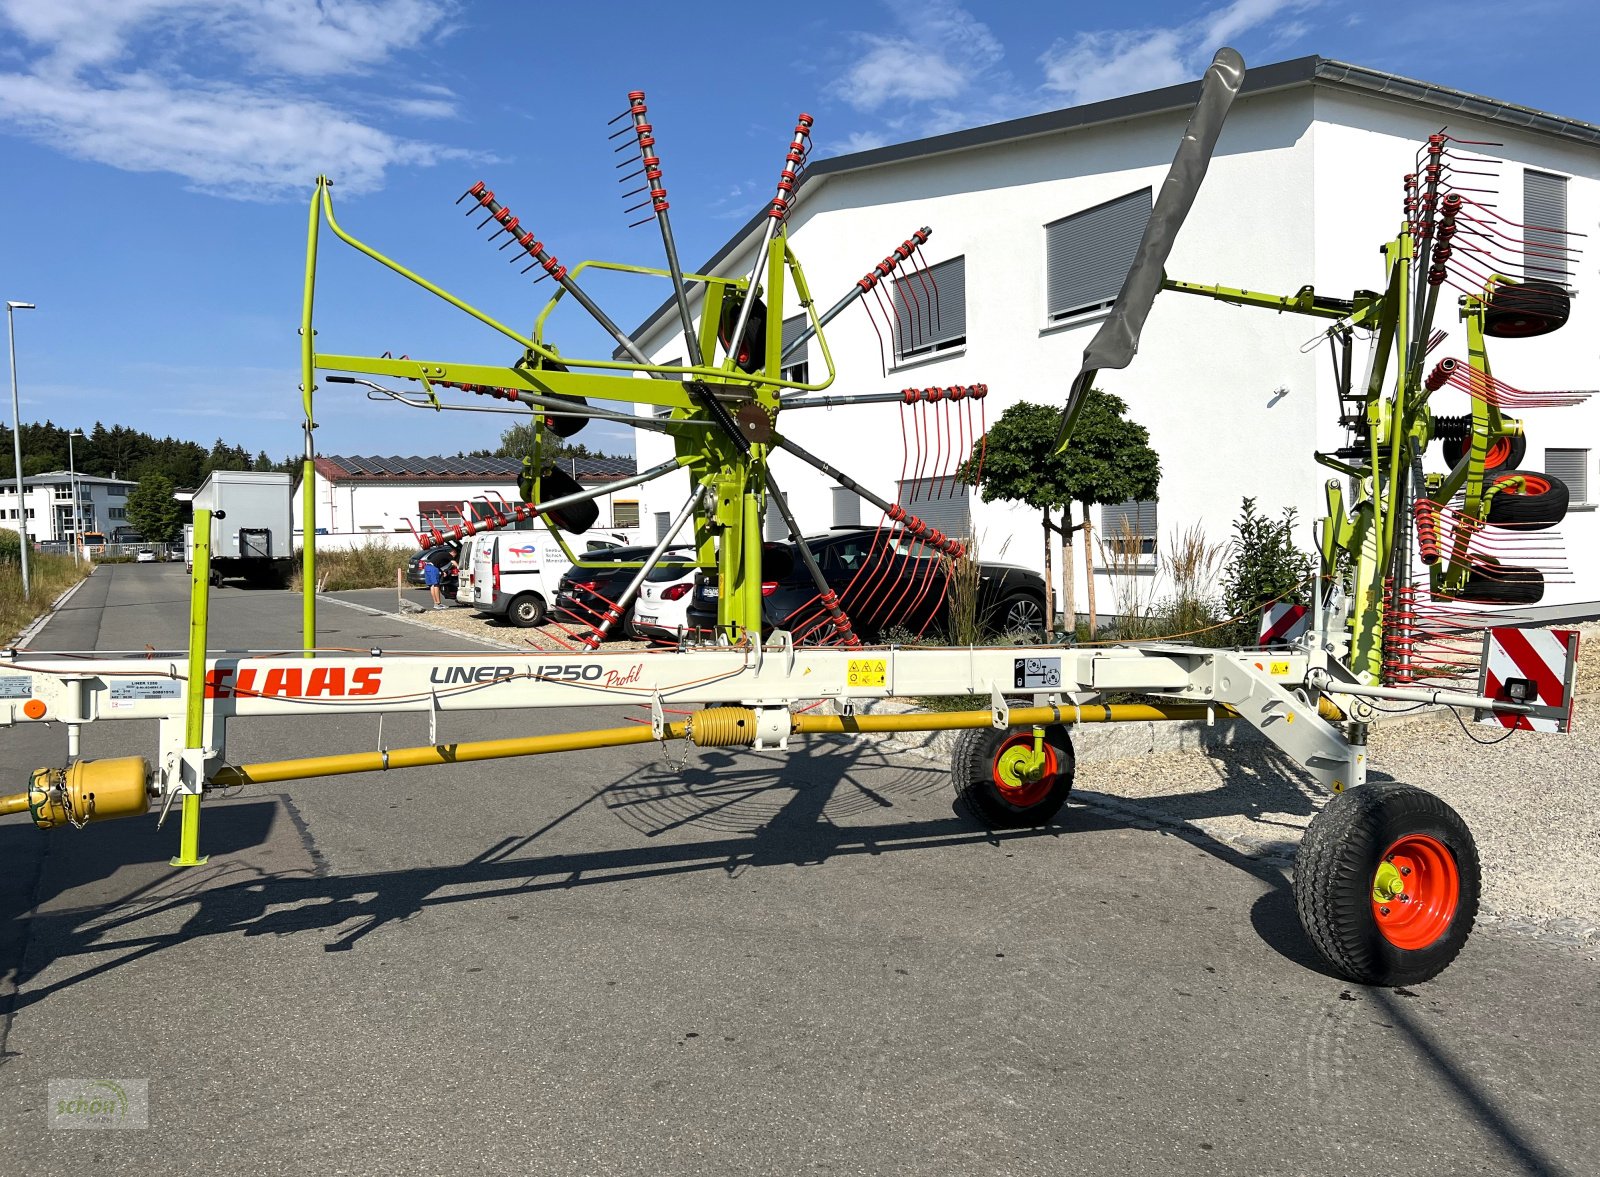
(1502,452)
(1523,310)
(1386,882)
(526,610)
(987,770)
(1503,584)
(1528,500)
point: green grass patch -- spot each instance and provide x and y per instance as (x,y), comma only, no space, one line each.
(372,565)
(49,576)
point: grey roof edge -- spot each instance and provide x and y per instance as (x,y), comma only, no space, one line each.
(1258,80)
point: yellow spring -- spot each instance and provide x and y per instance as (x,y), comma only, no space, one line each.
(723,727)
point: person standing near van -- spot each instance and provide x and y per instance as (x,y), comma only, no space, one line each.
(431,577)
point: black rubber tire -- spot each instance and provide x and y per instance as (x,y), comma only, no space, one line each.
(1516,449)
(1525,310)
(753,352)
(1504,584)
(575,518)
(526,610)
(1530,510)
(1334,875)
(972,765)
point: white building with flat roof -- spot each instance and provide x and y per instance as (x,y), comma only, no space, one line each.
(47,501)
(1034,223)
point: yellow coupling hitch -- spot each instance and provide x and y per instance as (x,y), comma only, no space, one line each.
(90,790)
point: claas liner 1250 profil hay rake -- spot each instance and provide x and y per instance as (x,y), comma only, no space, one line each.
(1387,880)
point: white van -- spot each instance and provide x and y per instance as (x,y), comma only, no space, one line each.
(511,574)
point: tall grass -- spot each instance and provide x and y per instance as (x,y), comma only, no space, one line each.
(372,565)
(964,574)
(49,576)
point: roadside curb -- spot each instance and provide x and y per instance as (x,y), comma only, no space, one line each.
(22,639)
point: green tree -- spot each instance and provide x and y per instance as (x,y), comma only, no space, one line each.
(1109,461)
(153,512)
(517,442)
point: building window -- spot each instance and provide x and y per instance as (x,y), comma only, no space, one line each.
(64,491)
(663,524)
(1088,254)
(942,503)
(1128,531)
(795,367)
(117,512)
(1572,467)
(624,514)
(1544,217)
(846,508)
(439,513)
(666,410)
(930,310)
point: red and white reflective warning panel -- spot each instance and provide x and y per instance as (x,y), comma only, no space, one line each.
(1281,624)
(1532,666)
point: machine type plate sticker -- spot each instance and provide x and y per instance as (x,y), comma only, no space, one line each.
(869,672)
(1038,674)
(133,689)
(16,686)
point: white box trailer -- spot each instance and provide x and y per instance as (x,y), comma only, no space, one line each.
(252,532)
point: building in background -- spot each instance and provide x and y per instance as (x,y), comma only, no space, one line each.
(1035,222)
(47,499)
(362,499)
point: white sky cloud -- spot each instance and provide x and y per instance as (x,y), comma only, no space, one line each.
(1091,66)
(940,52)
(208,89)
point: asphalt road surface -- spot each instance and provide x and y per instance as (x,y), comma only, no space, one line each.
(743,963)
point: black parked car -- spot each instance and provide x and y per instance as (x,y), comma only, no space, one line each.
(584,594)
(443,557)
(885,580)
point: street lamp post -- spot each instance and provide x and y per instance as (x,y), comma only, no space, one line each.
(16,440)
(72,475)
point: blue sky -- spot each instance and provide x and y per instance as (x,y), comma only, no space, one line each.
(158,156)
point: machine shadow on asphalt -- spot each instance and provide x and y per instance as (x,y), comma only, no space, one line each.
(761,810)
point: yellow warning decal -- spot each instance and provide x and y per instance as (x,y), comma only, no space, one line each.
(869,672)
(1279,668)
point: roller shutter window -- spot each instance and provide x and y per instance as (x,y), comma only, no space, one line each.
(1129,529)
(1544,216)
(930,310)
(1572,467)
(624,514)
(1088,254)
(666,410)
(796,367)
(775,528)
(942,503)
(846,508)
(663,524)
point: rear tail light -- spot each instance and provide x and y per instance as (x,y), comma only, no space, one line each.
(677,592)
(495,567)
(768,587)
(587,586)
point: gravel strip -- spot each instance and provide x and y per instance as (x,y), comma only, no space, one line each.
(462,620)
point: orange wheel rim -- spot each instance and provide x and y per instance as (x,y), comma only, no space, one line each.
(1415,892)
(1023,793)
(1498,453)
(1532,484)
